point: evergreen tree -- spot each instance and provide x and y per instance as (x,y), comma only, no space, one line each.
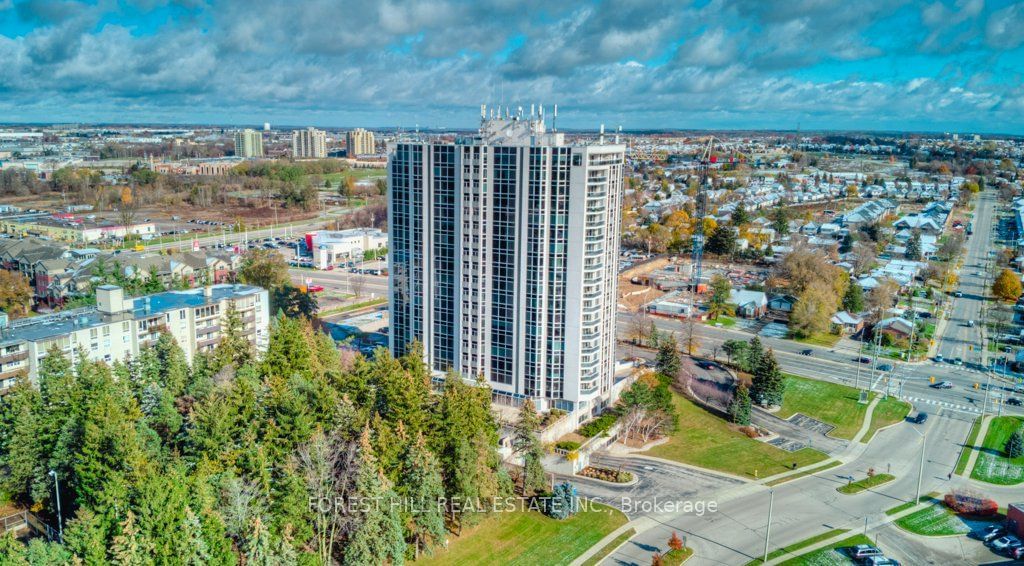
(12,550)
(722,241)
(377,534)
(668,364)
(914,246)
(421,486)
(846,246)
(740,215)
(721,290)
(130,547)
(853,299)
(754,354)
(526,443)
(85,537)
(563,503)
(1015,445)
(259,551)
(739,407)
(780,221)
(768,386)
(194,544)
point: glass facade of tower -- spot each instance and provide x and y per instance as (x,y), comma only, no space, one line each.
(503,255)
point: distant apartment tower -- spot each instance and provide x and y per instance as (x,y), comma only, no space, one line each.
(310,142)
(503,259)
(360,142)
(248,143)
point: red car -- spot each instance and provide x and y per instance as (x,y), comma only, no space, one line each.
(316,288)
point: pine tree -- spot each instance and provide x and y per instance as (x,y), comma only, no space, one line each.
(197,553)
(258,551)
(130,547)
(846,246)
(740,215)
(853,299)
(739,407)
(754,354)
(668,363)
(767,387)
(377,534)
(1015,445)
(914,246)
(526,443)
(421,486)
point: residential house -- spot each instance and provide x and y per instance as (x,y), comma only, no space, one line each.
(846,323)
(895,326)
(749,304)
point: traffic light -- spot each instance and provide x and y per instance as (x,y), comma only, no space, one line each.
(931,379)
(976,385)
(971,348)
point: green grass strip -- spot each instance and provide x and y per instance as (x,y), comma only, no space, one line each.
(866,483)
(610,548)
(799,545)
(965,453)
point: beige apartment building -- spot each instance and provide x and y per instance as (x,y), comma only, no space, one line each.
(360,142)
(310,143)
(248,143)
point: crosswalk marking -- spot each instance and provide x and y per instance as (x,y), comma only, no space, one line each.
(948,405)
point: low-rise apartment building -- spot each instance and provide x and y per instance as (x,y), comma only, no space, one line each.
(119,327)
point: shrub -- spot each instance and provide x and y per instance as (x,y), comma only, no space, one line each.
(552,417)
(606,474)
(562,503)
(967,502)
(567,445)
(598,426)
(750,431)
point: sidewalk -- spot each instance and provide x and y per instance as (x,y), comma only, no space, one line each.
(978,441)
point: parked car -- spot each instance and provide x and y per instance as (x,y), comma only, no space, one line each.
(863,551)
(1003,543)
(880,561)
(921,418)
(703,364)
(1017,553)
(991,532)
(806,352)
(942,385)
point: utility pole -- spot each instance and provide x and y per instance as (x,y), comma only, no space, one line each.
(60,518)
(768,528)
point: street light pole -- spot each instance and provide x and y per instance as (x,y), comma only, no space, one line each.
(60,518)
(920,471)
(768,528)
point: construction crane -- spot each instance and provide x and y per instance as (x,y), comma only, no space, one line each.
(700,210)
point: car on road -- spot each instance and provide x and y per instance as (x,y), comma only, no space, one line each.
(958,361)
(1003,543)
(806,352)
(885,367)
(938,358)
(991,533)
(958,294)
(1013,401)
(1017,553)
(704,364)
(942,385)
(970,323)
(863,360)
(862,552)
(921,418)
(315,288)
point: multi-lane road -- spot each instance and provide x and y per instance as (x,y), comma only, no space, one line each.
(911,380)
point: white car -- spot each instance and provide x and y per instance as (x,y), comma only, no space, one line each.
(1004,543)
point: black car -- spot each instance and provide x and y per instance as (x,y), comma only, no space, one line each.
(705,365)
(1013,401)
(864,360)
(921,418)
(806,352)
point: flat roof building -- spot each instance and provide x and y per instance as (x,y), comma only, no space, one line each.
(248,143)
(309,143)
(119,327)
(503,255)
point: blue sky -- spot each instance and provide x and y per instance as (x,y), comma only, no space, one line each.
(820,64)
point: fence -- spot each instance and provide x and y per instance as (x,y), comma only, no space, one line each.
(26,520)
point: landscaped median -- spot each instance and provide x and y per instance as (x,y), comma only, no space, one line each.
(865,484)
(832,554)
(528,537)
(791,549)
(968,448)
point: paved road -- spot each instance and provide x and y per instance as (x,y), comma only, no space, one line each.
(802,508)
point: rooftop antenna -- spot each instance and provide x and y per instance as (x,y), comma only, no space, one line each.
(601,138)
(554,119)
(617,134)
(483,112)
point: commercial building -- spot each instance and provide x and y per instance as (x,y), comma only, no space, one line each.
(330,247)
(309,143)
(68,227)
(119,327)
(503,248)
(360,142)
(248,143)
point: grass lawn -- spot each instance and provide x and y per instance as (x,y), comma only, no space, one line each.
(909,504)
(798,545)
(707,441)
(864,484)
(824,340)
(677,557)
(828,402)
(992,465)
(888,411)
(610,548)
(723,321)
(529,537)
(968,448)
(934,521)
(830,554)
(357,174)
